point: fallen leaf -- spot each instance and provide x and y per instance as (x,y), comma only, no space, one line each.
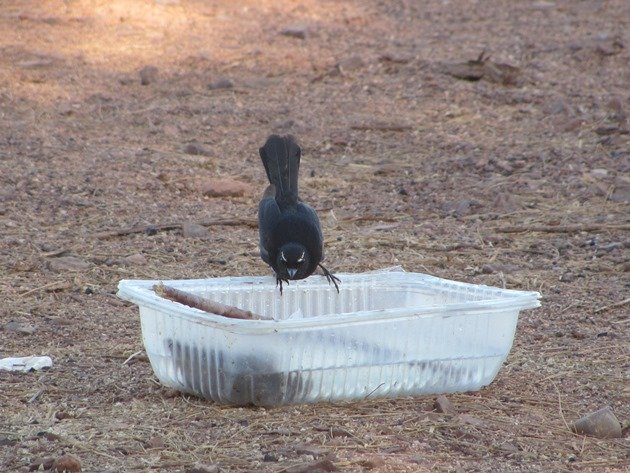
(224,188)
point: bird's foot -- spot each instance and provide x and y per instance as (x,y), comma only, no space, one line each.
(279,282)
(331,277)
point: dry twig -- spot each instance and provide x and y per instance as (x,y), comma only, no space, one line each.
(612,306)
(381,126)
(560,228)
(232,222)
(206,305)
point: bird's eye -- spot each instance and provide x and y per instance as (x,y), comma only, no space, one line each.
(282,257)
(301,258)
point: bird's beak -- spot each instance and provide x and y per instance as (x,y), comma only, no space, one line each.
(291,272)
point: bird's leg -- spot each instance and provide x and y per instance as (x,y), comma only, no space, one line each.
(279,282)
(331,277)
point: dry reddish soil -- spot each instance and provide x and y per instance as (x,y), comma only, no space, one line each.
(510,170)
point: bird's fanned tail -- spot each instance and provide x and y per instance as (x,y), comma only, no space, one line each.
(281,157)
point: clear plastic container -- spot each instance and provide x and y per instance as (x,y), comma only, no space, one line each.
(385,334)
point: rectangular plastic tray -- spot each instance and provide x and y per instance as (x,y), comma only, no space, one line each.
(385,334)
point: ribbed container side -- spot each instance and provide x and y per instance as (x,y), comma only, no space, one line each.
(458,345)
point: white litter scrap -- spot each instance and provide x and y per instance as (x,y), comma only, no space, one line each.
(26,363)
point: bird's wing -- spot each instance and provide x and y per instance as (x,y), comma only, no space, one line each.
(311,216)
(268,217)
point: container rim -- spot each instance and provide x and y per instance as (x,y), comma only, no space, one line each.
(140,292)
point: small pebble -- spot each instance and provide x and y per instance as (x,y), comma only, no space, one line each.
(221,84)
(148,75)
(156,442)
(621,194)
(201,468)
(470,420)
(599,173)
(602,424)
(375,462)
(196,149)
(46,463)
(312,450)
(19,327)
(295,31)
(499,268)
(194,230)
(171,393)
(350,64)
(224,188)
(444,406)
(66,464)
(137,259)
(68,263)
(270,457)
(61,415)
(323,465)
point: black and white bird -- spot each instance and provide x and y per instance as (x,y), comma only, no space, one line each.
(291,239)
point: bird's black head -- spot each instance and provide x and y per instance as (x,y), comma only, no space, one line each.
(292,261)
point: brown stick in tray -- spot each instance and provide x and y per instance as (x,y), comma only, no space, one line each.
(206,305)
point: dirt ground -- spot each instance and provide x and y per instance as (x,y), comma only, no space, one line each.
(518,177)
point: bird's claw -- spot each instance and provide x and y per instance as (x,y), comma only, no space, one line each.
(331,277)
(279,282)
